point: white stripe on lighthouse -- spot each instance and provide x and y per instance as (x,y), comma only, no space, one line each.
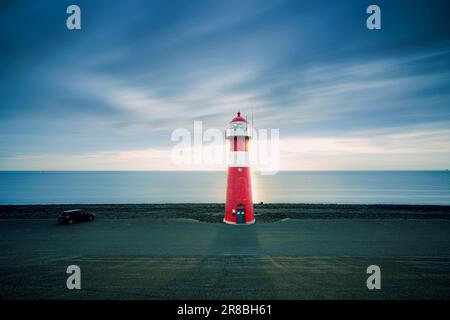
(238,159)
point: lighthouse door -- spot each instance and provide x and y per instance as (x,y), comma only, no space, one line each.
(240,216)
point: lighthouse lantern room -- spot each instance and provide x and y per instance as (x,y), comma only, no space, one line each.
(239,202)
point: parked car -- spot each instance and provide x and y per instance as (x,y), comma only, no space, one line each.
(75,215)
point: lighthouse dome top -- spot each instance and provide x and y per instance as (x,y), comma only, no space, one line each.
(238,118)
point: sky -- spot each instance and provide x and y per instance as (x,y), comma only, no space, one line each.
(108,96)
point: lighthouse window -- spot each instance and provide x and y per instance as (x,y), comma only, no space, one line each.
(240,169)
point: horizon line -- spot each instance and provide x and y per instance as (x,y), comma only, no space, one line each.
(224,170)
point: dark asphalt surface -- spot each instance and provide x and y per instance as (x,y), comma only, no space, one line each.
(158,259)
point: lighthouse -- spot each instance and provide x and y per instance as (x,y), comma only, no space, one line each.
(239,203)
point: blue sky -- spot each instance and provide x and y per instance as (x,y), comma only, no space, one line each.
(108,96)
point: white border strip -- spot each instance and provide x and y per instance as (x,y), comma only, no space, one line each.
(238,159)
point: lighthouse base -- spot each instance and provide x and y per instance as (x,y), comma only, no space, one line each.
(238,224)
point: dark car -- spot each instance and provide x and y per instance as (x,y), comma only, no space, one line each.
(75,215)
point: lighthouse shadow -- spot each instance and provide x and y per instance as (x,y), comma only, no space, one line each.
(236,265)
(230,266)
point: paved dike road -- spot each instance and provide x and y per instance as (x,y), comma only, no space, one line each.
(187,259)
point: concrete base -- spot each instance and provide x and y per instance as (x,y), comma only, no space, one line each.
(239,224)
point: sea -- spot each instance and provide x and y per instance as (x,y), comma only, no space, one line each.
(120,187)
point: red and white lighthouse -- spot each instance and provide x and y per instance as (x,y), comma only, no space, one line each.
(239,205)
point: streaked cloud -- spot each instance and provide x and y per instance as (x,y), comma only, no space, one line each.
(109,96)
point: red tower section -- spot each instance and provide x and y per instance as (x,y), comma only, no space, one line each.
(239,204)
